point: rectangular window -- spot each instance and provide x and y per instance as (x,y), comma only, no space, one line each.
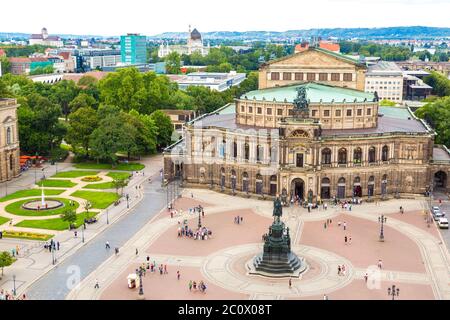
(279,112)
(349,112)
(326,113)
(259,110)
(359,112)
(274,76)
(335,77)
(287,76)
(242,109)
(269,111)
(323,76)
(310,76)
(348,77)
(369,111)
(291,112)
(338,113)
(299,76)
(250,109)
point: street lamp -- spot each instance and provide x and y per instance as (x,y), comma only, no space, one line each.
(107,216)
(128,204)
(53,255)
(82,234)
(141,286)
(382,220)
(199,218)
(14,285)
(393,292)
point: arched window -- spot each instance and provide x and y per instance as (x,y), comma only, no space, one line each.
(223,148)
(259,153)
(342,156)
(273,185)
(384,184)
(245,182)
(235,149)
(357,156)
(341,188)
(385,153)
(233,179)
(371,186)
(222,177)
(8,136)
(326,156)
(372,154)
(259,184)
(246,151)
(274,155)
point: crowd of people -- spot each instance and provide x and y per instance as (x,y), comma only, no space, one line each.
(52,245)
(201,286)
(5,295)
(202,233)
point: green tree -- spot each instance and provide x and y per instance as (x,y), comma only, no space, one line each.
(86,81)
(5,64)
(69,216)
(4,91)
(147,131)
(119,184)
(80,101)
(173,63)
(437,114)
(63,93)
(6,259)
(165,128)
(82,124)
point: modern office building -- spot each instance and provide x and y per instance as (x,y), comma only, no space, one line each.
(386,79)
(133,48)
(213,80)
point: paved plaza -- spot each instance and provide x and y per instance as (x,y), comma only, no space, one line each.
(413,256)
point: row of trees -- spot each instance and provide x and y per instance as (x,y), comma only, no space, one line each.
(437,114)
(386,52)
(440,84)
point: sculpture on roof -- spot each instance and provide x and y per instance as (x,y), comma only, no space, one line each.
(301,103)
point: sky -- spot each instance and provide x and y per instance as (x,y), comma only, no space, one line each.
(149,17)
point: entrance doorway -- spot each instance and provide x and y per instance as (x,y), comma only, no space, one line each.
(298,188)
(299,160)
(440,180)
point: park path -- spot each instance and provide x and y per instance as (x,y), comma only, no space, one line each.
(34,262)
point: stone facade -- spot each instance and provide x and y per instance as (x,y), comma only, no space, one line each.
(9,140)
(387,153)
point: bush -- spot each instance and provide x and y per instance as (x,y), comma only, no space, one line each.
(91,179)
(27,235)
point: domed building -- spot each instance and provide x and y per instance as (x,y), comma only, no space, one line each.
(194,44)
(310,132)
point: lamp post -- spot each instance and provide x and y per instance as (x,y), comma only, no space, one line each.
(199,218)
(14,285)
(82,233)
(382,220)
(128,204)
(141,285)
(53,255)
(107,216)
(393,292)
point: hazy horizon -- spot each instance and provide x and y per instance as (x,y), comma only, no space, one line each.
(112,18)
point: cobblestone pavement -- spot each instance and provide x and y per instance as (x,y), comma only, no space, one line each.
(219,267)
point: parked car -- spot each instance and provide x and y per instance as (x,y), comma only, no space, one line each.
(435,209)
(438,215)
(443,223)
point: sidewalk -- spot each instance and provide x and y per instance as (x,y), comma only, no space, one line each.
(34,262)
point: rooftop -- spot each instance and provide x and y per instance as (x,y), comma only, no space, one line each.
(440,154)
(315,93)
(384,68)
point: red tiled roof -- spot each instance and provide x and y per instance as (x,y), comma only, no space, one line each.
(2,53)
(19,60)
(38,59)
(66,55)
(330,46)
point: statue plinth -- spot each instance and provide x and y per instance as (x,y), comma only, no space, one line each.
(277,259)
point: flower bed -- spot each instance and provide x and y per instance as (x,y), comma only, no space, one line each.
(26,235)
(91,179)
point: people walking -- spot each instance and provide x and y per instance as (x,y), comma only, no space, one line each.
(345,225)
(97,286)
(190,285)
(290,283)
(325,297)
(366,277)
(107,246)
(137,252)
(380,264)
(178,275)
(345,239)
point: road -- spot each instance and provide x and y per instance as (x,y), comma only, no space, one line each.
(54,285)
(445,207)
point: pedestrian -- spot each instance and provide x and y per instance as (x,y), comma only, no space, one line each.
(178,275)
(339,270)
(148,258)
(192,195)
(325,297)
(116,251)
(242,219)
(137,252)
(165,269)
(349,239)
(97,286)
(290,283)
(345,239)
(345,225)
(107,245)
(325,225)
(366,277)
(339,224)
(380,264)
(190,285)
(57,245)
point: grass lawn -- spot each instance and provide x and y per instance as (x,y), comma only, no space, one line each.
(99,200)
(119,175)
(74,174)
(3,220)
(104,185)
(107,166)
(27,235)
(16,208)
(54,224)
(30,193)
(54,183)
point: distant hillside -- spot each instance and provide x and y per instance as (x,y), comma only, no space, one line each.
(417,32)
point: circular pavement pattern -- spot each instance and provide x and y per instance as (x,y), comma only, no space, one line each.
(218,269)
